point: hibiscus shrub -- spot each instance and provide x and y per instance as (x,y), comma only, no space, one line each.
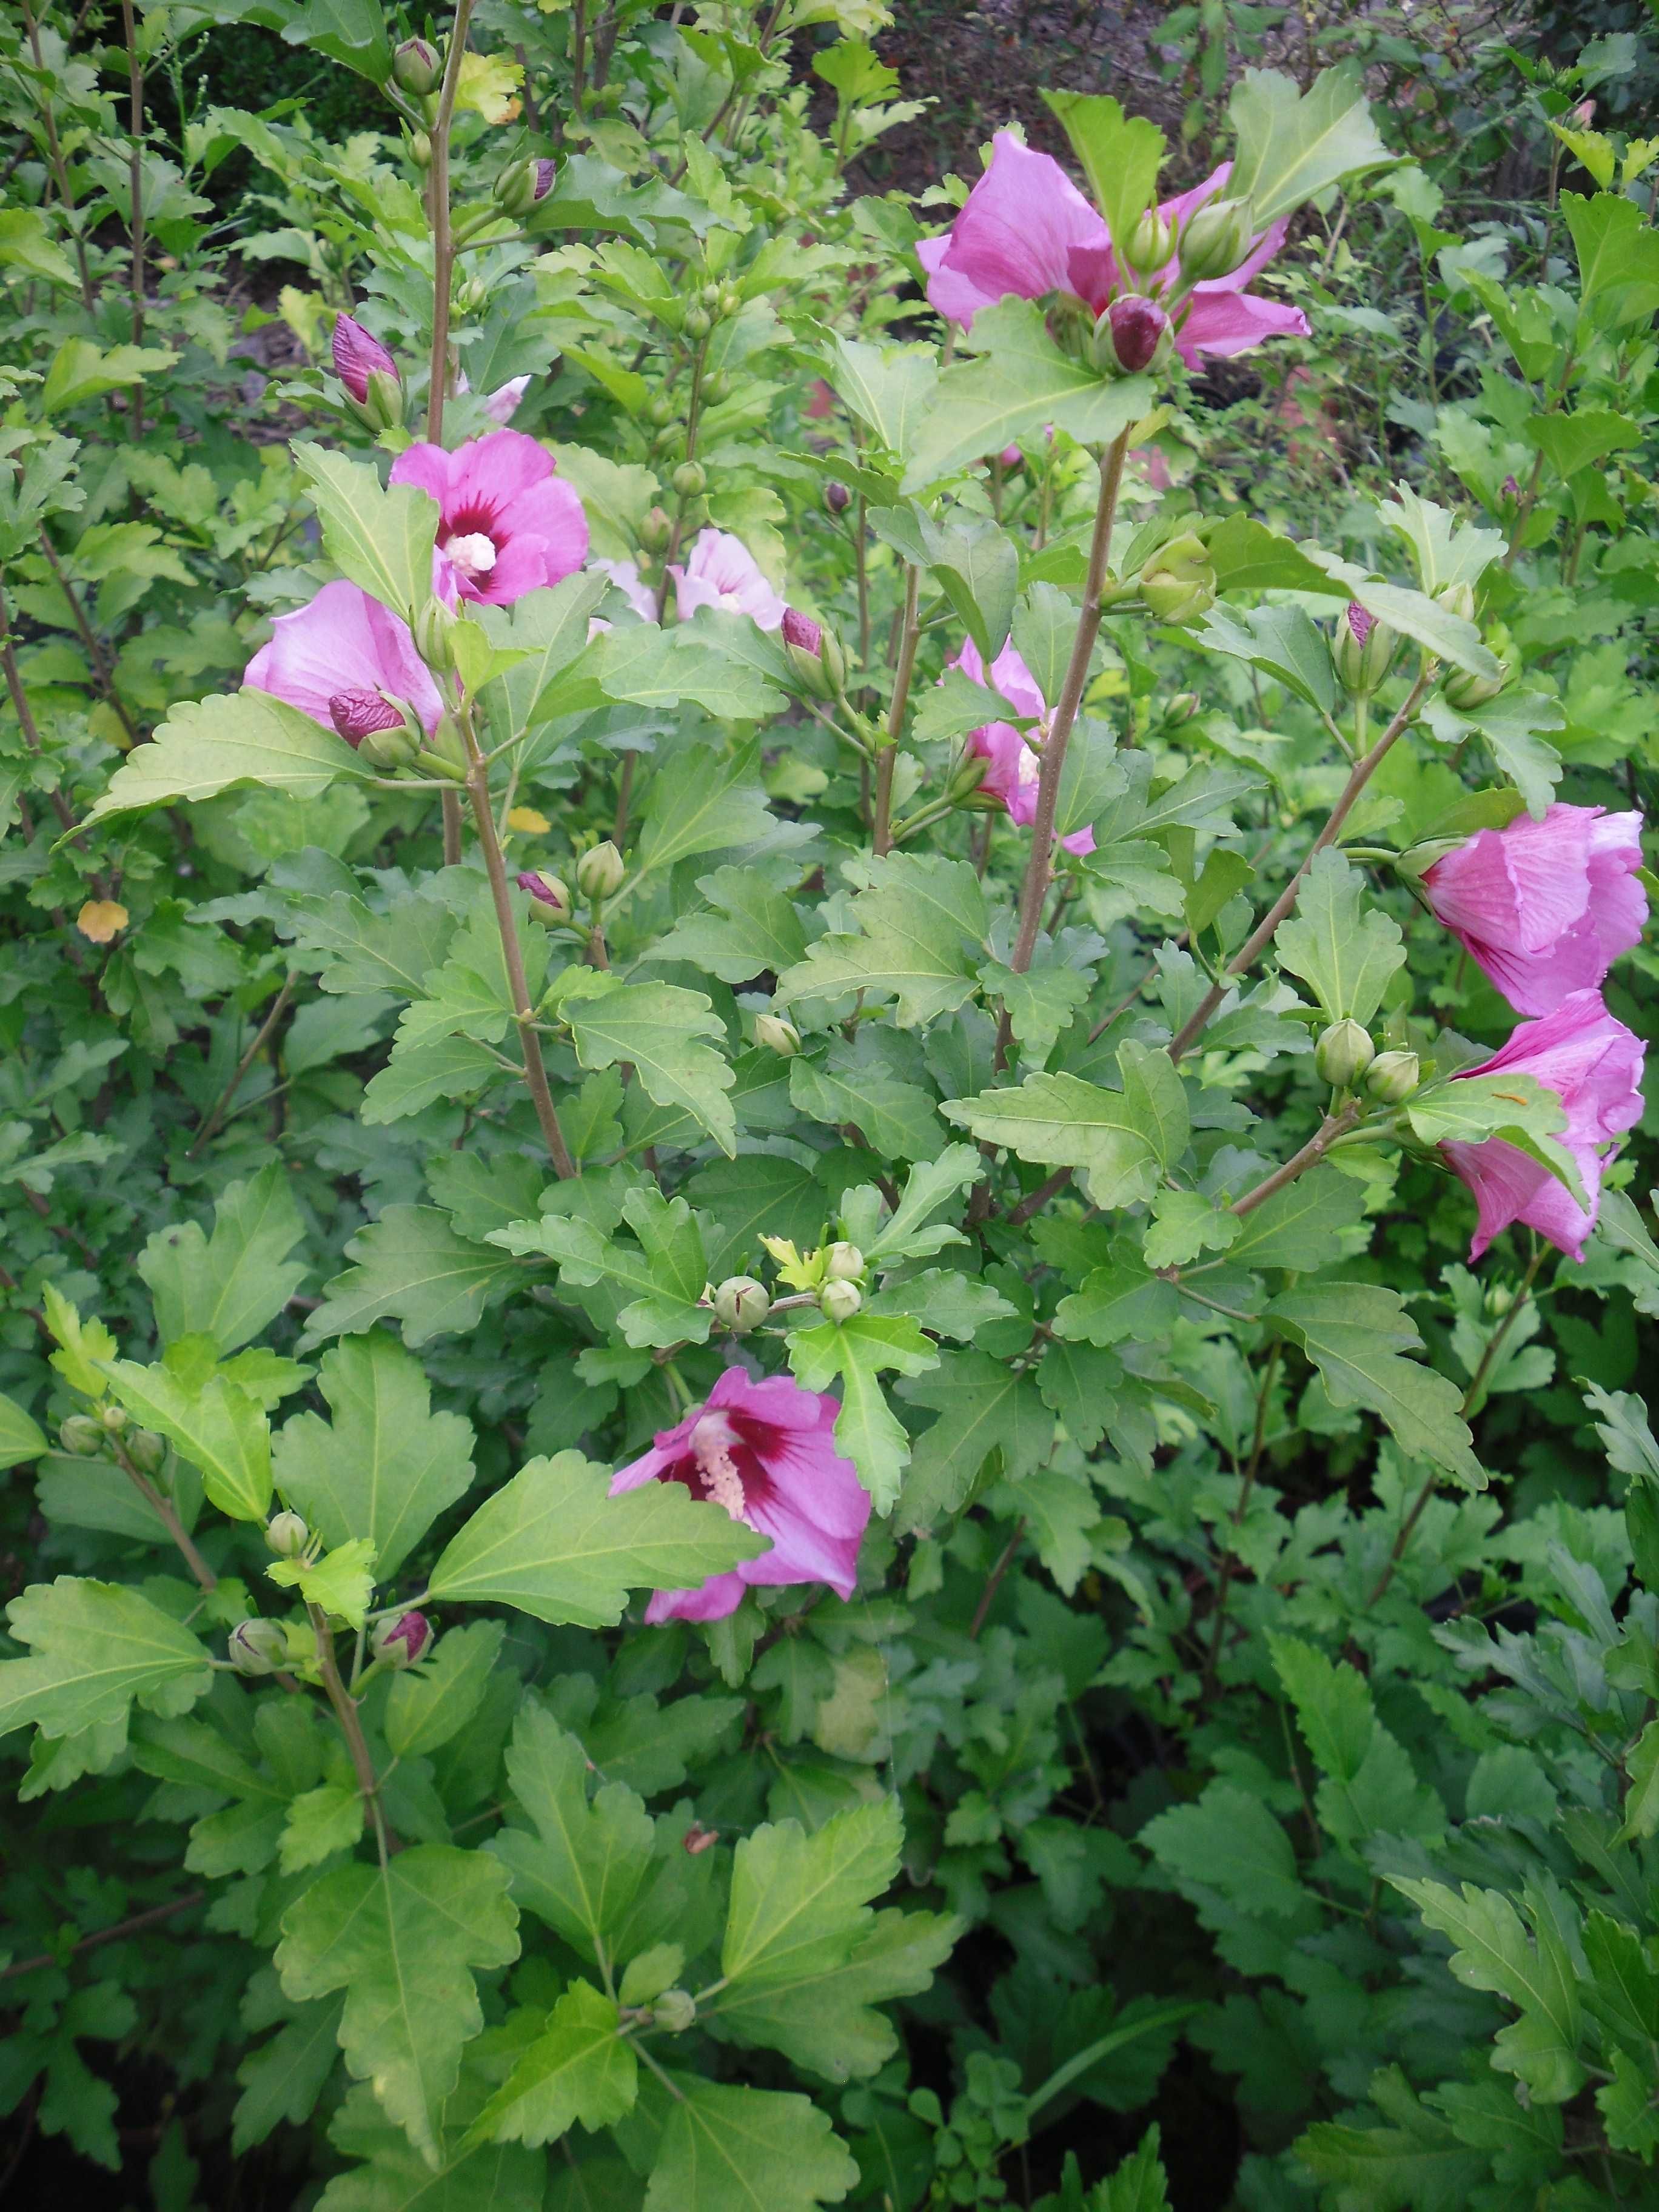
(826,1210)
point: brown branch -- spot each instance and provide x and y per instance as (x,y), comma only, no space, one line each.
(131,1927)
(167,1514)
(221,1105)
(443,236)
(351,1727)
(1332,1126)
(102,673)
(993,1580)
(25,713)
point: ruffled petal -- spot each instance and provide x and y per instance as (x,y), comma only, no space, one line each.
(712,1600)
(552,511)
(342,641)
(951,294)
(1223,323)
(1021,222)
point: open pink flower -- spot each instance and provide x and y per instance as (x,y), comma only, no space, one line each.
(508,522)
(1593,1065)
(766,1452)
(1014,766)
(340,660)
(720,571)
(1026,229)
(626,576)
(1544,908)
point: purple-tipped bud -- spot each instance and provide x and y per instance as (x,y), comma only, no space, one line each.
(1011,457)
(357,354)
(1511,489)
(801,629)
(547,891)
(257,1647)
(1132,335)
(416,68)
(1359,621)
(837,498)
(546,170)
(357,715)
(400,1642)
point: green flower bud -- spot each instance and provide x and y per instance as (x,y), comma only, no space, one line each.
(689,480)
(1466,692)
(1363,649)
(401,1642)
(114,1417)
(146,1449)
(81,1435)
(1393,1076)
(963,789)
(1215,240)
(1457,600)
(522,184)
(416,68)
(717,388)
(287,1535)
(696,325)
(549,899)
(600,873)
(674,2011)
(777,1035)
(656,530)
(257,1647)
(420,150)
(1343,1053)
(392,750)
(434,632)
(814,654)
(1178,583)
(839,1302)
(1182,708)
(836,497)
(741,1303)
(731,300)
(844,1263)
(1151,244)
(659,411)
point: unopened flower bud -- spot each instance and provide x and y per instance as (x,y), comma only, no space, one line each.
(81,1435)
(1465,692)
(1181,707)
(357,354)
(1499,1299)
(416,68)
(837,498)
(814,654)
(1343,1053)
(659,411)
(777,1035)
(844,1263)
(1511,492)
(551,898)
(741,1303)
(963,789)
(401,1642)
(286,1534)
(674,2011)
(656,530)
(1151,244)
(257,1647)
(839,1302)
(600,873)
(145,1450)
(420,150)
(1363,649)
(1178,583)
(1393,1076)
(1215,240)
(689,480)
(357,715)
(522,184)
(697,323)
(114,1419)
(730,300)
(1457,600)
(1010,458)
(391,749)
(433,631)
(1132,336)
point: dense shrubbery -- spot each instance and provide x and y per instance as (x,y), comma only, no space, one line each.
(826,1212)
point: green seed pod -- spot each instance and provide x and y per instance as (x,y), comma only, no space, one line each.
(1343,1053)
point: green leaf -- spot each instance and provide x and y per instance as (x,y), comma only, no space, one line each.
(386,1466)
(580,2069)
(379,537)
(895,1119)
(662,1277)
(1020,382)
(549,629)
(1418,2164)
(890,388)
(1294,145)
(655,1028)
(1642,1798)
(1281,641)
(83,1346)
(1511,728)
(1618,255)
(26,244)
(977,568)
(1228,1842)
(81,371)
(910,1232)
(1572,442)
(730,2149)
(1040,1003)
(754,929)
(1515,1106)
(581,1869)
(1493,1951)
(805,1959)
(553,1542)
(228,1287)
(342,1582)
(399,1940)
(859,1352)
(1123,1299)
(209,745)
(922,920)
(419,1073)
(1346,954)
(411,1263)
(284,2077)
(984,1408)
(20,1439)
(1122,1141)
(96,1647)
(1448,548)
(215,1425)
(1357,1335)
(700,804)
(1300,1226)
(1121,158)
(429,1704)
(320,1822)
(1369,1784)
(1184,1224)
(1139,2185)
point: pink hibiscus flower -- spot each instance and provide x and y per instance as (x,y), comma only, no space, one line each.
(508,522)
(720,571)
(1015,766)
(1545,908)
(501,404)
(1026,229)
(1593,1065)
(766,1452)
(343,659)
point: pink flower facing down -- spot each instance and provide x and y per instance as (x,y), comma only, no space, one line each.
(766,1452)
(1544,908)
(1026,229)
(720,571)
(1594,1064)
(508,523)
(342,660)
(1014,766)
(357,354)
(501,404)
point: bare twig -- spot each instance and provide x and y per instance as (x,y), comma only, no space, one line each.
(129,1927)
(222,1105)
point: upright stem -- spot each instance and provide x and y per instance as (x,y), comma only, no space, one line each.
(25,713)
(57,164)
(1254,946)
(222,1105)
(1253,1466)
(351,1726)
(102,673)
(578,59)
(887,759)
(1039,865)
(443,237)
(162,1507)
(676,529)
(136,174)
(535,1071)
